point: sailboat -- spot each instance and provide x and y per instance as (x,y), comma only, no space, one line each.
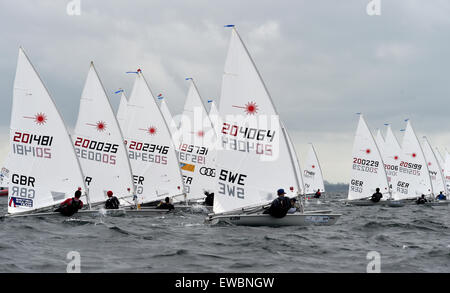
(255,158)
(99,145)
(44,169)
(447,171)
(436,174)
(437,177)
(368,172)
(413,178)
(152,154)
(312,173)
(380,141)
(196,149)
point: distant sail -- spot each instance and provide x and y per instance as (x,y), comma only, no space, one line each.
(436,175)
(99,145)
(391,156)
(122,111)
(214,116)
(440,159)
(413,177)
(312,173)
(43,167)
(368,171)
(151,151)
(380,141)
(196,149)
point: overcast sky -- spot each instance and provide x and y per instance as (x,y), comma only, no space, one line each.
(322,60)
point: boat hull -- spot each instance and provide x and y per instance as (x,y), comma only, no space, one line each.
(325,219)
(89,213)
(365,202)
(437,203)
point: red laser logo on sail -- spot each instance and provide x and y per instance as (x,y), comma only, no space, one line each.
(39,118)
(368,151)
(250,108)
(100,125)
(150,130)
(414,155)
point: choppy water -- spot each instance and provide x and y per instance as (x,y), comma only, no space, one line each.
(409,239)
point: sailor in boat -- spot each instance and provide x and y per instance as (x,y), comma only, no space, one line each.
(280,206)
(421,200)
(209,200)
(317,194)
(441,196)
(376,196)
(294,206)
(165,205)
(112,203)
(71,205)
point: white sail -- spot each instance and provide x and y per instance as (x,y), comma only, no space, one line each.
(413,176)
(254,159)
(380,141)
(367,173)
(43,167)
(151,151)
(436,175)
(168,117)
(99,144)
(447,171)
(122,110)
(196,151)
(391,155)
(297,169)
(312,173)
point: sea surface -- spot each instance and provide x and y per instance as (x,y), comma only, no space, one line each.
(408,239)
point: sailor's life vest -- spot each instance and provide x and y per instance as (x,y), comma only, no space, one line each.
(69,207)
(279,207)
(112,203)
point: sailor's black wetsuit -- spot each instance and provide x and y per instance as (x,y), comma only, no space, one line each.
(112,203)
(279,207)
(69,207)
(166,206)
(376,197)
